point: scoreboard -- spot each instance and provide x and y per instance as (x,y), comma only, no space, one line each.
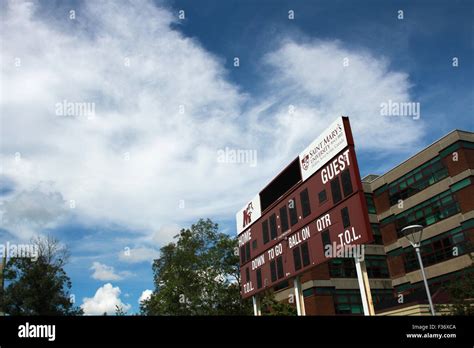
(313,208)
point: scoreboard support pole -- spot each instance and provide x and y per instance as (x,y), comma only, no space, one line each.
(299,297)
(257,311)
(364,286)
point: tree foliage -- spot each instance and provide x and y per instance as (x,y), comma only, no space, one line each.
(38,286)
(119,311)
(270,306)
(461,294)
(197,274)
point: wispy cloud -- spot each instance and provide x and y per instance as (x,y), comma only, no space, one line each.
(138,255)
(163,108)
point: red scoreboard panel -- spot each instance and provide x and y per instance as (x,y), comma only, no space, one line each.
(316,200)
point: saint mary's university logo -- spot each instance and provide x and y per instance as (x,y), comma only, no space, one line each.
(305,162)
(247,215)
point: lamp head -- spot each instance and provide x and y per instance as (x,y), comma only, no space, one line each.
(413,233)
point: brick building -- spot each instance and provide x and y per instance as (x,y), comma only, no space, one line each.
(434,188)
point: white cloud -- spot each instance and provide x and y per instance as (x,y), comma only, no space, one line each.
(139,162)
(166,231)
(137,255)
(105,300)
(312,77)
(145,295)
(27,212)
(105,273)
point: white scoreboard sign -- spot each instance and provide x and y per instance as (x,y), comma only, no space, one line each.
(248,214)
(322,149)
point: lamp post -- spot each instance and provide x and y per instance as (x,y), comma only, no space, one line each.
(413,234)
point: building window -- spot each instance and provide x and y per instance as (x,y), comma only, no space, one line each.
(273,227)
(336,190)
(433,283)
(377,234)
(305,206)
(322,196)
(293,212)
(370,203)
(284,219)
(381,295)
(308,292)
(429,212)
(348,302)
(346,183)
(377,266)
(346,222)
(259,278)
(417,180)
(247,274)
(323,290)
(342,268)
(247,252)
(266,237)
(254,244)
(461,184)
(439,248)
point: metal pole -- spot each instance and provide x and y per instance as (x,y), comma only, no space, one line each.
(256,306)
(299,297)
(424,280)
(364,286)
(368,293)
(3,264)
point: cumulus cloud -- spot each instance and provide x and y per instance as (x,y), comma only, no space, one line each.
(163,108)
(145,295)
(105,300)
(105,273)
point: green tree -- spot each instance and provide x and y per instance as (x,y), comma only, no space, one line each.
(38,285)
(270,306)
(197,274)
(461,294)
(119,311)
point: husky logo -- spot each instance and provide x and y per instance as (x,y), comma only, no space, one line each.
(247,218)
(305,162)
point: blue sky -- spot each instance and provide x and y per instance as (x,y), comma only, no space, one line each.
(167,97)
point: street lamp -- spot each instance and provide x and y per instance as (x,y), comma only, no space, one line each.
(413,234)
